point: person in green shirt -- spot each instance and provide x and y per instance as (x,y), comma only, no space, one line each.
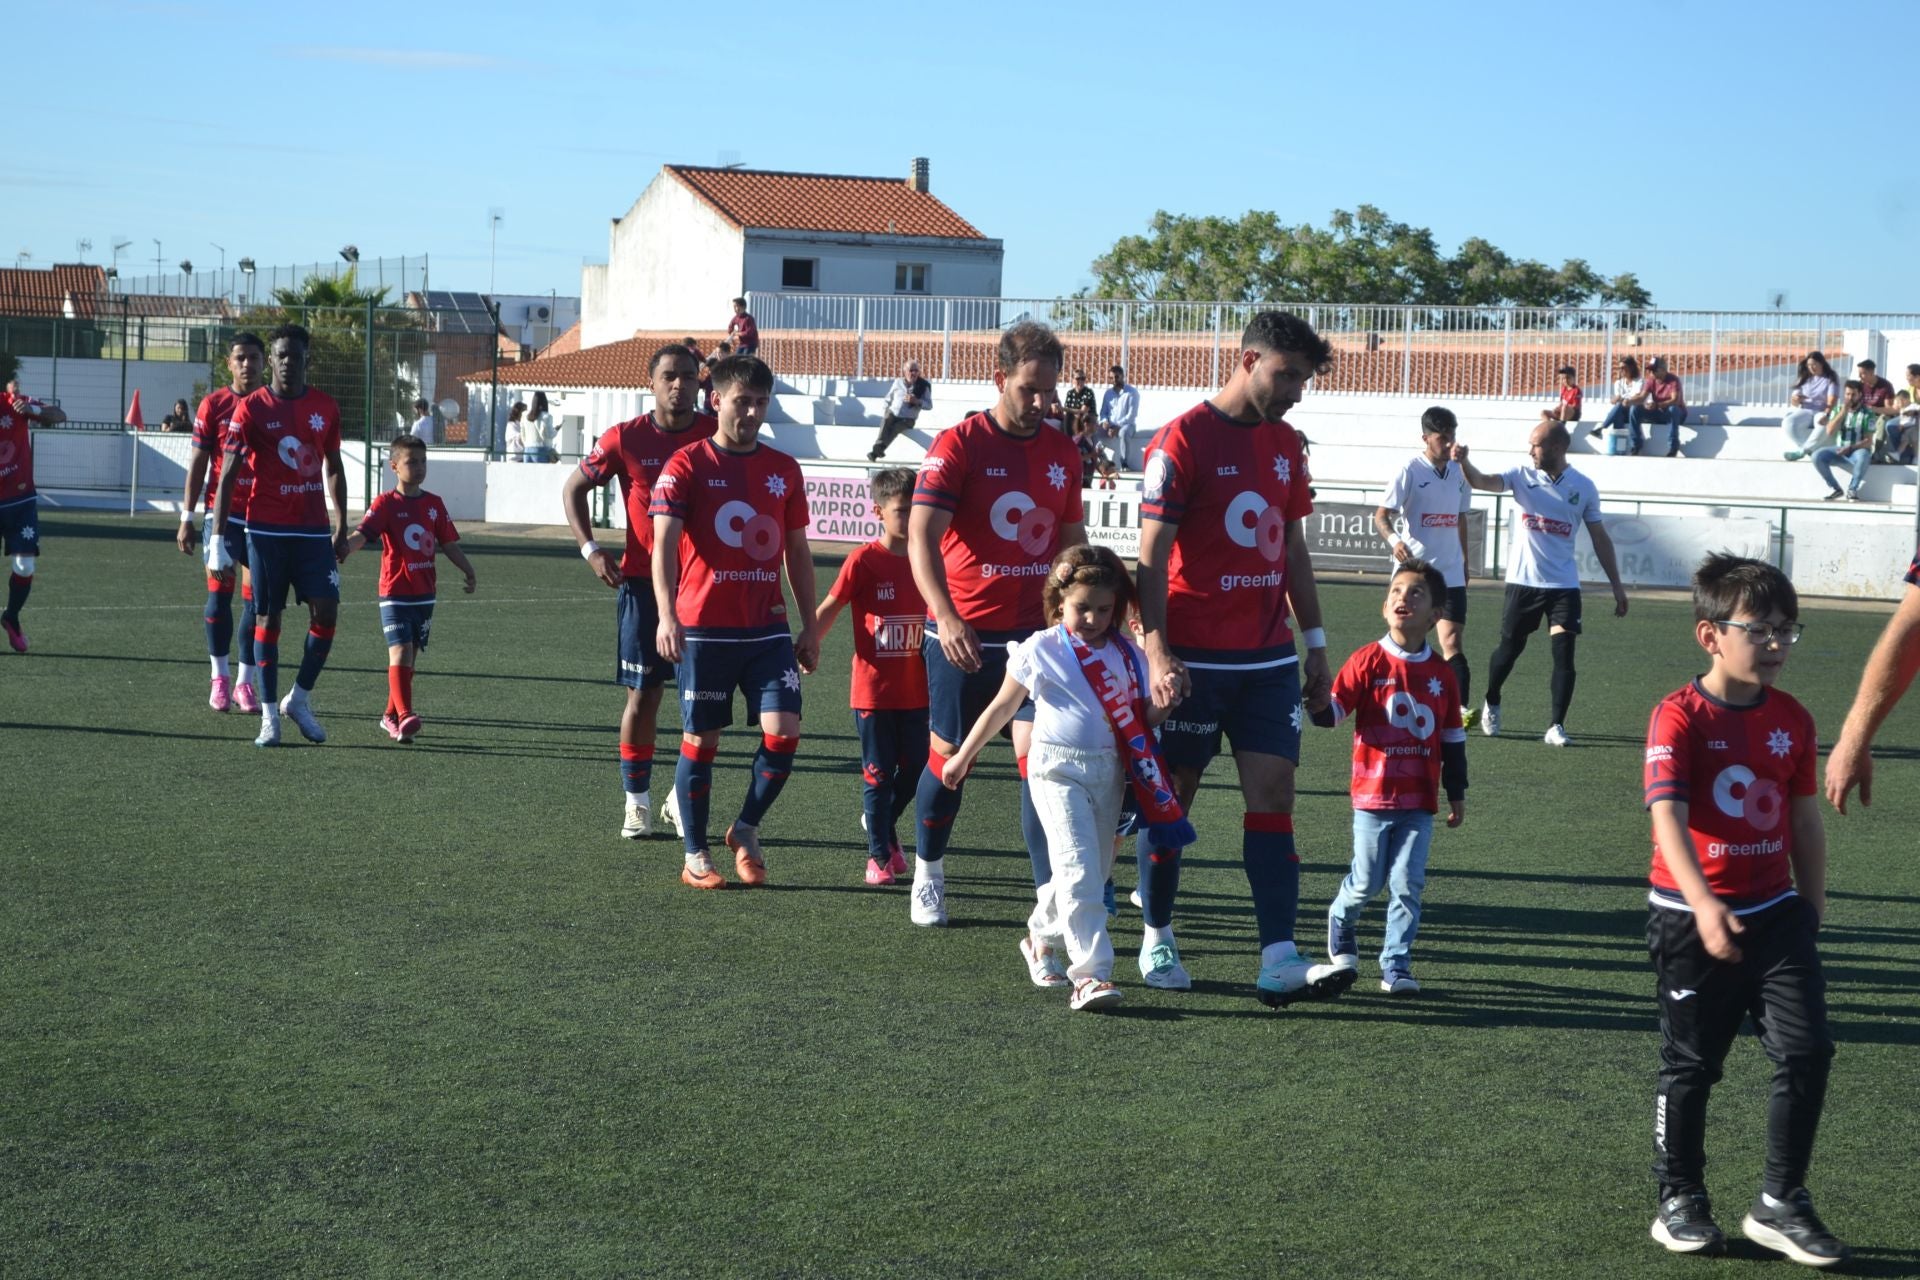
(1851,435)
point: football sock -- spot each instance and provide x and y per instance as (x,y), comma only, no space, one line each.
(319,645)
(266,656)
(771,765)
(393,693)
(1153,935)
(934,809)
(1159,881)
(245,633)
(219,618)
(1562,676)
(906,784)
(1273,873)
(1462,676)
(878,795)
(1032,831)
(1500,666)
(17,589)
(693,789)
(636,768)
(221,669)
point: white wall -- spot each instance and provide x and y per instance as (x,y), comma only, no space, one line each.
(89,390)
(672,263)
(865,264)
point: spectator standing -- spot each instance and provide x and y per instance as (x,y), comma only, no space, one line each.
(906,398)
(422,428)
(1815,389)
(1629,389)
(742,331)
(1568,409)
(1079,419)
(179,418)
(1665,403)
(1119,411)
(515,438)
(536,432)
(1851,435)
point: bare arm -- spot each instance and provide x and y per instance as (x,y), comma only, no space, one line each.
(1166,673)
(992,720)
(1609,565)
(666,585)
(1303,594)
(1383,518)
(829,611)
(1809,853)
(1477,478)
(1466,556)
(573,499)
(197,463)
(355,541)
(1718,926)
(1890,670)
(459,558)
(337,495)
(925,527)
(806,646)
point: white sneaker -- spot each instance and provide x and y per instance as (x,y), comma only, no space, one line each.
(1160,968)
(1291,978)
(1489,719)
(1043,963)
(670,810)
(298,710)
(1556,736)
(927,905)
(269,727)
(639,819)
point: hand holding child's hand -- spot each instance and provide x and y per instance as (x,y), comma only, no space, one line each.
(1456,812)
(953,773)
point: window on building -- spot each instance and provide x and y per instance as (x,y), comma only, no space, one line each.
(798,273)
(910,277)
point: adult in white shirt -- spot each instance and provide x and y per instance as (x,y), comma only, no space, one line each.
(1119,414)
(514,439)
(1543,578)
(1629,389)
(1424,517)
(1815,390)
(907,398)
(536,432)
(422,428)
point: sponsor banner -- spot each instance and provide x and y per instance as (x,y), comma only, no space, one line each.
(839,507)
(1113,520)
(1341,536)
(1663,551)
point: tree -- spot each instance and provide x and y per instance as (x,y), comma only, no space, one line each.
(1362,257)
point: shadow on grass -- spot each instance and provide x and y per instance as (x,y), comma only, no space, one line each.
(1866,1261)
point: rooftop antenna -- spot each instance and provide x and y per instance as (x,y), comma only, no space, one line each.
(81,246)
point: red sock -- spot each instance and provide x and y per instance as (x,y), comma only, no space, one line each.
(406,690)
(395,698)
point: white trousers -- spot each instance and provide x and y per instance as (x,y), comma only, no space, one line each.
(1077,794)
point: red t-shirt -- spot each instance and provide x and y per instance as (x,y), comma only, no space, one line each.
(210,423)
(635,451)
(1008,496)
(744,332)
(410,531)
(284,439)
(1570,397)
(889,673)
(1233,488)
(1736,769)
(1403,706)
(736,510)
(16,453)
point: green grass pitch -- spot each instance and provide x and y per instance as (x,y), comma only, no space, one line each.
(372,1010)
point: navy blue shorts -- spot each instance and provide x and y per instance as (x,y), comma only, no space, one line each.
(638,662)
(406,622)
(955,698)
(20,528)
(1258,709)
(234,534)
(281,560)
(763,670)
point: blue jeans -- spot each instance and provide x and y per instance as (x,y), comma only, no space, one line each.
(1857,462)
(1389,849)
(1640,416)
(1616,417)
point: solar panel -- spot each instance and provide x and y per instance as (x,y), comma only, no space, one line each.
(456,312)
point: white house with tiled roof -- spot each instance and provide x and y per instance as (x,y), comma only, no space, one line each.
(698,237)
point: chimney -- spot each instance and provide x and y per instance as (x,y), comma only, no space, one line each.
(918,181)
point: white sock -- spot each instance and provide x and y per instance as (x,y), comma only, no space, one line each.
(924,871)
(639,797)
(246,675)
(219,665)
(298,697)
(1274,952)
(1153,935)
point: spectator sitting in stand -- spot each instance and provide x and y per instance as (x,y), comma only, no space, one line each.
(1876,393)
(1815,391)
(1119,411)
(1568,410)
(1665,403)
(1902,427)
(1080,420)
(1629,389)
(1105,474)
(1851,436)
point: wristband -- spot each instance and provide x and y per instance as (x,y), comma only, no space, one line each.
(186,517)
(587,549)
(1316,637)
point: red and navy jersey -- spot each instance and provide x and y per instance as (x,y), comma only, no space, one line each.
(16,452)
(1403,706)
(635,450)
(889,673)
(210,423)
(410,531)
(1737,769)
(1233,488)
(736,510)
(1008,496)
(284,440)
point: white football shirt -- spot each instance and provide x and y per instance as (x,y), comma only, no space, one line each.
(1432,502)
(1549,515)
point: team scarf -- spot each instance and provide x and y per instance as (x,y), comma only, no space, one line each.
(1126,707)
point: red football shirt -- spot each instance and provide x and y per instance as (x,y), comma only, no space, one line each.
(1570,397)
(284,439)
(410,531)
(889,672)
(1008,496)
(16,454)
(635,451)
(1737,770)
(736,510)
(1403,706)
(210,423)
(1233,488)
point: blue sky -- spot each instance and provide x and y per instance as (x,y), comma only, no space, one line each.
(1723,151)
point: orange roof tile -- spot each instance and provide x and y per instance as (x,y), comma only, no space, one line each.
(566,344)
(615,365)
(29,291)
(823,202)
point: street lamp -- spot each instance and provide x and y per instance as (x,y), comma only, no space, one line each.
(351,253)
(247,269)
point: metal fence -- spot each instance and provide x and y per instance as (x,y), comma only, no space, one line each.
(248,283)
(1501,352)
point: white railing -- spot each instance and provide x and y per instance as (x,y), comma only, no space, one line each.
(1722,357)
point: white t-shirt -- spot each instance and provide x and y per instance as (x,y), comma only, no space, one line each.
(1550,515)
(423,428)
(536,433)
(1066,711)
(1630,391)
(1432,502)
